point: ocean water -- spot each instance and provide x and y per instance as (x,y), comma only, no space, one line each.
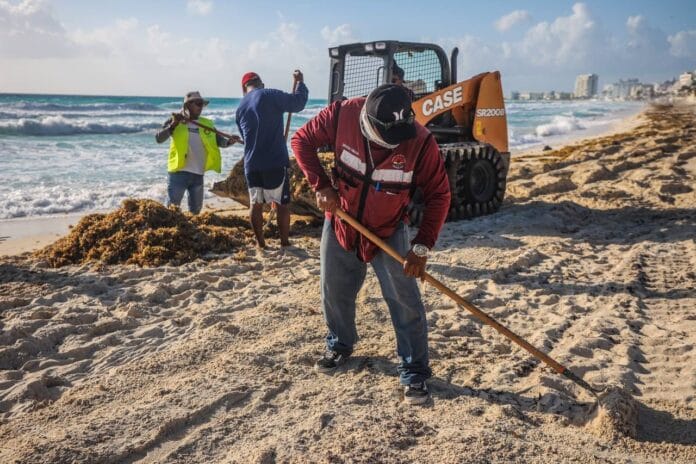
(73,154)
(535,123)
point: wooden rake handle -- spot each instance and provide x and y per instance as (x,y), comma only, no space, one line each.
(203,126)
(483,317)
(295,83)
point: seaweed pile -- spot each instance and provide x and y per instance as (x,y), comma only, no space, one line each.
(146,233)
(303,199)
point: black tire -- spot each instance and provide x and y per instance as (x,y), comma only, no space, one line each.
(480,182)
(477,183)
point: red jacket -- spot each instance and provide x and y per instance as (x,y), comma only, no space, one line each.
(374,189)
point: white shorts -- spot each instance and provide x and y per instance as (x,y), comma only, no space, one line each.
(260,181)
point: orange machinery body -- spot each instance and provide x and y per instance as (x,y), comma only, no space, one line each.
(476,103)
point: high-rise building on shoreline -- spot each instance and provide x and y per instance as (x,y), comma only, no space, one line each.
(686,79)
(629,89)
(537,96)
(586,85)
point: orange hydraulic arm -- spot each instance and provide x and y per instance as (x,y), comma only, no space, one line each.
(476,103)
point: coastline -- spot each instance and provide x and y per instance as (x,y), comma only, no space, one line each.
(28,234)
(627,122)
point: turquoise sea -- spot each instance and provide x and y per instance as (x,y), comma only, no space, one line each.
(74,154)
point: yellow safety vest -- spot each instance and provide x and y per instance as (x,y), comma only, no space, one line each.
(178,148)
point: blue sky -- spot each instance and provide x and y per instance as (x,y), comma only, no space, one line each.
(166,47)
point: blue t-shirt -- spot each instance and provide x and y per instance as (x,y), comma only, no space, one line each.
(260,122)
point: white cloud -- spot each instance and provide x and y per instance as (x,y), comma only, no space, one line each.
(28,29)
(565,41)
(551,53)
(199,7)
(123,57)
(476,55)
(633,23)
(565,44)
(511,19)
(116,39)
(129,56)
(683,44)
(644,39)
(342,34)
(287,33)
(278,54)
(647,49)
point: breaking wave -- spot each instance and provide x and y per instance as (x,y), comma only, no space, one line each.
(41,200)
(559,125)
(60,125)
(39,106)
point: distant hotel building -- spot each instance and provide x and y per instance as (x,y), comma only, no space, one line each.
(622,90)
(586,85)
(686,79)
(629,89)
(528,96)
(552,95)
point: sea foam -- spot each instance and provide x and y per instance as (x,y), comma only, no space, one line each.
(60,125)
(559,125)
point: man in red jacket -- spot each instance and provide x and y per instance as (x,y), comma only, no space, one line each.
(381,157)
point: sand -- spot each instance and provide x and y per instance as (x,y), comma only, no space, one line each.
(591,258)
(21,235)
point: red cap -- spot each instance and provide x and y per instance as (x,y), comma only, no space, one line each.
(250,76)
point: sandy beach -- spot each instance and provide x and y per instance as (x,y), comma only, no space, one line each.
(591,258)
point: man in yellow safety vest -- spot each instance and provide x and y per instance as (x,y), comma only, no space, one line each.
(192,151)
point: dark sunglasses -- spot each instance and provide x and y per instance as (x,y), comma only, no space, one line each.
(408,120)
(198,103)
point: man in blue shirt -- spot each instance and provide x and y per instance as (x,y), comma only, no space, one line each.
(260,122)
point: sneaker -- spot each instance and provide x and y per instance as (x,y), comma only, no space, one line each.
(416,393)
(330,361)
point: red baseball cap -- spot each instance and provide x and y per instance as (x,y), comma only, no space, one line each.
(248,77)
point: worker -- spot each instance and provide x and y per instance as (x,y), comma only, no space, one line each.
(398,79)
(381,156)
(192,151)
(260,121)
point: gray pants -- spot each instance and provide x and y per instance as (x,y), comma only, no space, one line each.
(342,276)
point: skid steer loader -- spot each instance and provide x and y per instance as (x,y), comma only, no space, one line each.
(467,118)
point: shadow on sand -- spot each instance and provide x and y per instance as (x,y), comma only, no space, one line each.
(567,219)
(655,426)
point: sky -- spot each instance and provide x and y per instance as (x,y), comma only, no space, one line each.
(167,48)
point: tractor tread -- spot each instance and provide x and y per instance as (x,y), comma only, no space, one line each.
(458,159)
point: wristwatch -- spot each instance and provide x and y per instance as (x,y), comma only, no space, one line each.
(420,250)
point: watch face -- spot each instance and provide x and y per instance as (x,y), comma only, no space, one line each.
(420,250)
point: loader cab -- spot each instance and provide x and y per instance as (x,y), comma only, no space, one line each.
(358,68)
